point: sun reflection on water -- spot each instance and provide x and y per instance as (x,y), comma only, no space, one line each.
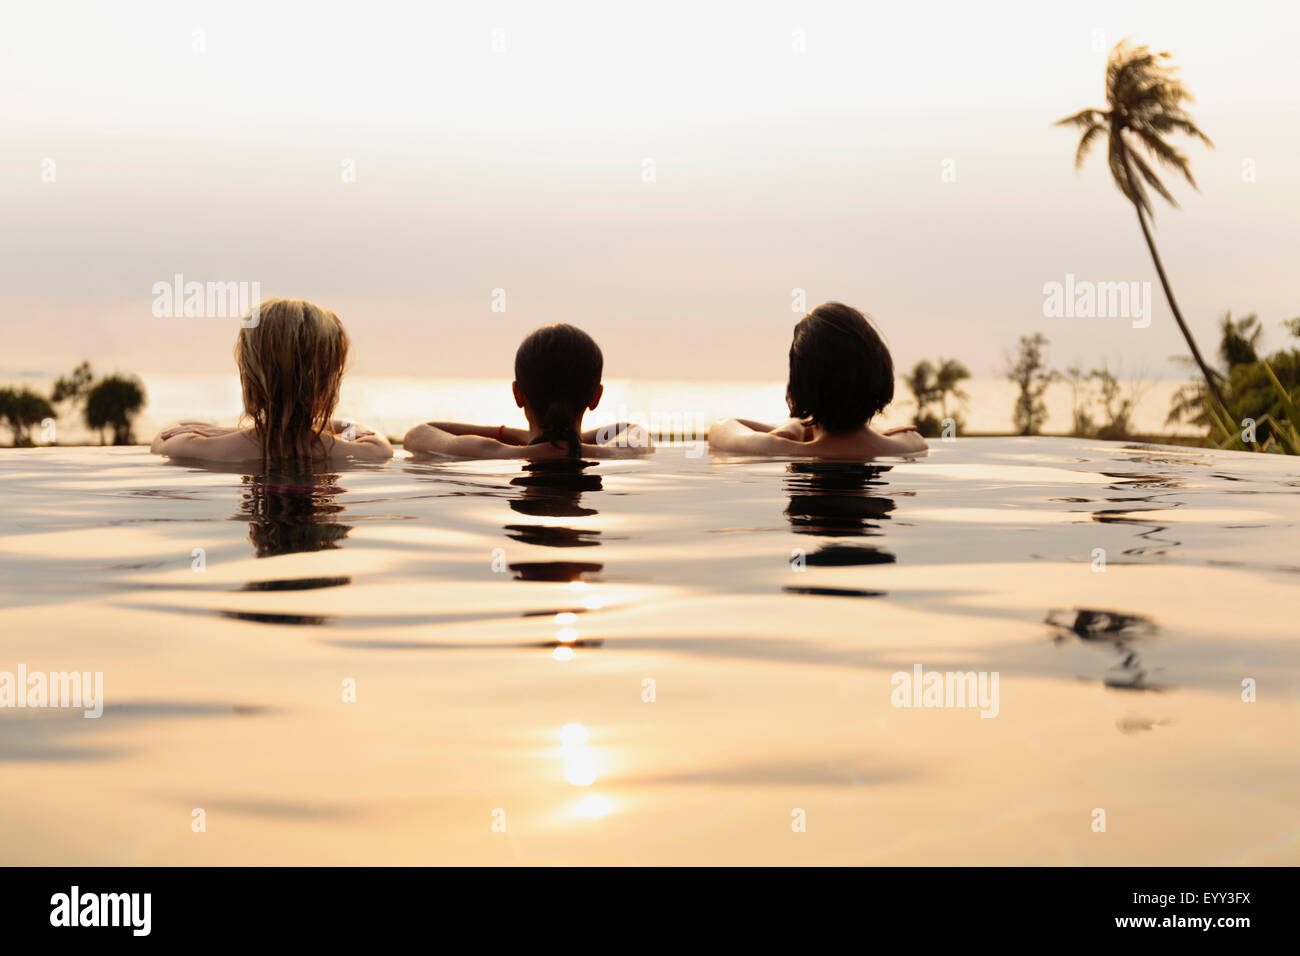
(579,764)
(593,807)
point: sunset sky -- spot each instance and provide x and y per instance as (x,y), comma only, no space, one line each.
(210,140)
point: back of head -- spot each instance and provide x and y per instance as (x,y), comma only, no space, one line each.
(841,373)
(558,370)
(291,355)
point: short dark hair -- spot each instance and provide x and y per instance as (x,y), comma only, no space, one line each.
(558,368)
(841,373)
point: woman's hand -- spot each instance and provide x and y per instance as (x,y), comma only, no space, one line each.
(202,429)
(620,434)
(900,429)
(354,431)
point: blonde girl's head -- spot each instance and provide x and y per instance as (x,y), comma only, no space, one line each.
(291,354)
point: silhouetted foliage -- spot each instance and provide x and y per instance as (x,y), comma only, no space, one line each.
(930,384)
(1118,403)
(1249,392)
(1103,403)
(22,408)
(1029,371)
(1080,382)
(1145,100)
(1239,344)
(111,403)
(73,386)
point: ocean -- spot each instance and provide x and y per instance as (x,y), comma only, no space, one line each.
(670,406)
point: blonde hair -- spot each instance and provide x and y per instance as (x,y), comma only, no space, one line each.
(291,354)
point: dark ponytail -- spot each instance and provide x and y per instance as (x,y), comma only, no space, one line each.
(558,427)
(558,370)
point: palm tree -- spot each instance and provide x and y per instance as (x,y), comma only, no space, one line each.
(1146,103)
(920,382)
(947,382)
(1240,342)
(1249,392)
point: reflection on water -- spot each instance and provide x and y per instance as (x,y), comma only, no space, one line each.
(824,591)
(553,537)
(835,500)
(418,635)
(1120,631)
(553,570)
(297,584)
(1137,725)
(554,489)
(291,513)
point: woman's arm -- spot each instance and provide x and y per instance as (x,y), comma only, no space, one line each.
(197,429)
(214,443)
(434,440)
(735,436)
(229,445)
(502,433)
(904,441)
(624,434)
(371,446)
(740,437)
(633,445)
(348,439)
(794,430)
(431,439)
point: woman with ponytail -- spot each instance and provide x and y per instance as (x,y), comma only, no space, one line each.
(557,381)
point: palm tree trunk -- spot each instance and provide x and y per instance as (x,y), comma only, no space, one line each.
(1169,297)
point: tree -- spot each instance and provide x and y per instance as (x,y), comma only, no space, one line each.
(73,386)
(1080,382)
(935,383)
(21,409)
(1031,375)
(1249,388)
(947,381)
(1118,402)
(111,403)
(1239,341)
(1146,104)
(921,383)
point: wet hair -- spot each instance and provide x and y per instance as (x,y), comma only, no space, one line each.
(841,373)
(558,369)
(291,354)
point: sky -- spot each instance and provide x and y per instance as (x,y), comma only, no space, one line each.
(680,179)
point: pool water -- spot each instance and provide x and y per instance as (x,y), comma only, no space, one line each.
(682,659)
